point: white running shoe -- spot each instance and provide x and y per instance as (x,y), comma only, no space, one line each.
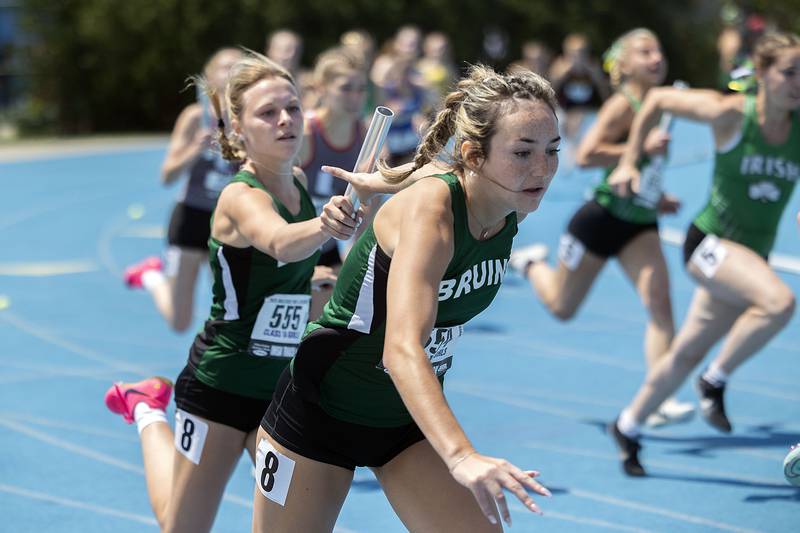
(522,258)
(671,412)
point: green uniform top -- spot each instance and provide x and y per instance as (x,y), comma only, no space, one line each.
(258,313)
(751,185)
(627,208)
(350,383)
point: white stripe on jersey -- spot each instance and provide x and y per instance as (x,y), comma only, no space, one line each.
(231,304)
(362,316)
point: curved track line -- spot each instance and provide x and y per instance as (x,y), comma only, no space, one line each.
(534,349)
(660,511)
(586,521)
(86,353)
(48,268)
(73,448)
(71,426)
(666,465)
(66,502)
(97,456)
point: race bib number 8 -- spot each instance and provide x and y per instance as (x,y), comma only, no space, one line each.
(190,435)
(279,325)
(709,255)
(273,472)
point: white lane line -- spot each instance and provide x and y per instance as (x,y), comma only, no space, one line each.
(772,483)
(660,511)
(73,148)
(506,391)
(651,509)
(43,334)
(41,269)
(151,342)
(536,349)
(501,393)
(772,457)
(98,456)
(518,402)
(54,206)
(583,520)
(501,396)
(23,418)
(144,232)
(762,391)
(98,509)
(104,253)
(247,503)
(44,373)
(781,262)
(67,446)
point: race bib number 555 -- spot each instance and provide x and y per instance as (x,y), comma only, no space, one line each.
(279,325)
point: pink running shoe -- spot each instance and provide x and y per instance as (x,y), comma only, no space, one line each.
(121,398)
(133,274)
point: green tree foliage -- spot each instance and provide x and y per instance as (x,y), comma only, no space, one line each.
(107,65)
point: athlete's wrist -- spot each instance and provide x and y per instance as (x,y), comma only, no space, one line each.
(458,456)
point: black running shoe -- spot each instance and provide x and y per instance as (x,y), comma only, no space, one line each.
(628,451)
(712,405)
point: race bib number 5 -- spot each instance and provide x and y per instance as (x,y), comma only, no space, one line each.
(709,255)
(279,325)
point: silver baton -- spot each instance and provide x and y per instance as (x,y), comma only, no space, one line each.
(373,143)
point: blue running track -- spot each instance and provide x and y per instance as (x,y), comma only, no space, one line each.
(524,386)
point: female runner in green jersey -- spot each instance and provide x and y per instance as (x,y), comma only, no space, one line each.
(739,297)
(365,387)
(264,244)
(612,226)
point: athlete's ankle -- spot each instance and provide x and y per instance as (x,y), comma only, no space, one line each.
(715,376)
(627,425)
(144,415)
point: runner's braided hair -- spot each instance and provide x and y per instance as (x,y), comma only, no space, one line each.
(471,113)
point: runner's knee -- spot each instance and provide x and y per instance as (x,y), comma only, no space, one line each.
(562,311)
(658,302)
(780,306)
(180,323)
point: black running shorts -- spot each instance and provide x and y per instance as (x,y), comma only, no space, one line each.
(197,398)
(602,233)
(189,227)
(304,428)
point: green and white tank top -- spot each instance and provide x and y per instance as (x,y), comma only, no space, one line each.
(627,208)
(258,313)
(350,383)
(751,186)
